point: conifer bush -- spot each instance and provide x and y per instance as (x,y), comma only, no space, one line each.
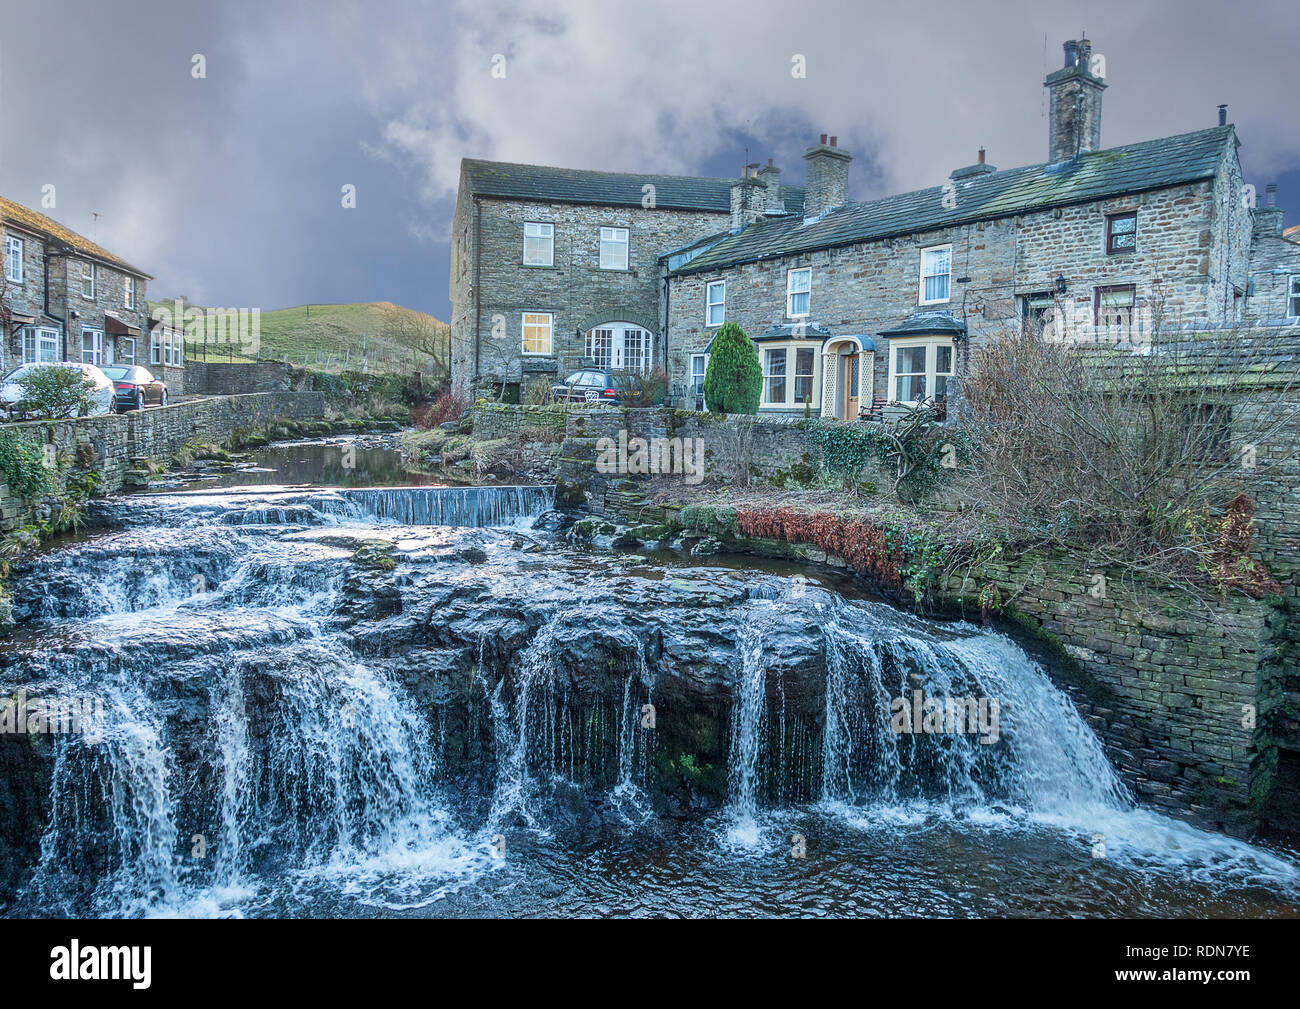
(734,379)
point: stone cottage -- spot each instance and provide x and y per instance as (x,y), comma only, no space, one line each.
(68,299)
(854,306)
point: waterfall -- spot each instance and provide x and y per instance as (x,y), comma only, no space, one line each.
(451,506)
(748,725)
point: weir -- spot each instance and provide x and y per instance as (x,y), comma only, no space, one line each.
(299,732)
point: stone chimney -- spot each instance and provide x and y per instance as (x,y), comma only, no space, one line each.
(771,176)
(748,199)
(1074,115)
(827,184)
(1268,218)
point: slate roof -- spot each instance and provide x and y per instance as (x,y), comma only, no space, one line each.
(927,322)
(30,220)
(568,185)
(1151,164)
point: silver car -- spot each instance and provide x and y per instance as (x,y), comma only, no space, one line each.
(101,394)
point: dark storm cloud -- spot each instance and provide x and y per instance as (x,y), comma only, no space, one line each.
(228,188)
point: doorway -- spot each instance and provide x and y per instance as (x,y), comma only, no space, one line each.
(850,379)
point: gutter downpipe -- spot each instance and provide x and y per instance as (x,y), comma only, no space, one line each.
(478,273)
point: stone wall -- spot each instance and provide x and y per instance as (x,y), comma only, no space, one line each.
(497,420)
(770,450)
(213,379)
(1175,699)
(115,440)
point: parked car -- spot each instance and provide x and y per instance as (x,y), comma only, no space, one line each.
(586,386)
(100,395)
(136,387)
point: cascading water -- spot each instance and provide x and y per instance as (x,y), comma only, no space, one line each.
(289,730)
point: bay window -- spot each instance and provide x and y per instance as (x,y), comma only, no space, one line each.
(804,358)
(774,377)
(936,274)
(40,344)
(919,369)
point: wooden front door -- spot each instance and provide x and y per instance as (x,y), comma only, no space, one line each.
(850,386)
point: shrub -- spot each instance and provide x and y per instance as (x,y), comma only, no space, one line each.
(22,461)
(55,392)
(448,406)
(734,379)
(648,389)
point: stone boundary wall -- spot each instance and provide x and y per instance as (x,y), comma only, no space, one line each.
(115,440)
(214,379)
(1180,703)
(772,450)
(497,420)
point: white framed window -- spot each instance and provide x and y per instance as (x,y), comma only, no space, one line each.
(1293,298)
(715,303)
(92,346)
(936,274)
(798,292)
(14,260)
(804,366)
(539,244)
(613,248)
(88,280)
(157,341)
(699,368)
(128,292)
(919,368)
(166,347)
(537,332)
(774,384)
(40,344)
(177,348)
(127,355)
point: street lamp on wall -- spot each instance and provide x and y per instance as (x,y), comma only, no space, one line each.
(1062,286)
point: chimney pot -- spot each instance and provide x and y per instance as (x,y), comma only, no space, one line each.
(981,161)
(1270,194)
(835,141)
(823,139)
(1223,115)
(1071,54)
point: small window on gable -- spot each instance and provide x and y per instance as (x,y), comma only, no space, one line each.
(613,248)
(88,280)
(1121,232)
(1293,298)
(14,260)
(798,292)
(936,274)
(539,244)
(715,303)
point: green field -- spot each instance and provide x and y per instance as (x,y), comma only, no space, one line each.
(371,336)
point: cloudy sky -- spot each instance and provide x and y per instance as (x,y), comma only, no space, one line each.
(227,187)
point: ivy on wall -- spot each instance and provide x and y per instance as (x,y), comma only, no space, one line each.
(913,450)
(22,461)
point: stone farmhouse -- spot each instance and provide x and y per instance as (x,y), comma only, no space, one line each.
(856,306)
(64,298)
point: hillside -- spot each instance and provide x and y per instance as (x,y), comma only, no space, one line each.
(373,336)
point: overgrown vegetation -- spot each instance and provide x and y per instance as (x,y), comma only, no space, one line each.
(1138,460)
(23,463)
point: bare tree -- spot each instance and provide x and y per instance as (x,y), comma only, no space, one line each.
(419,332)
(1135,457)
